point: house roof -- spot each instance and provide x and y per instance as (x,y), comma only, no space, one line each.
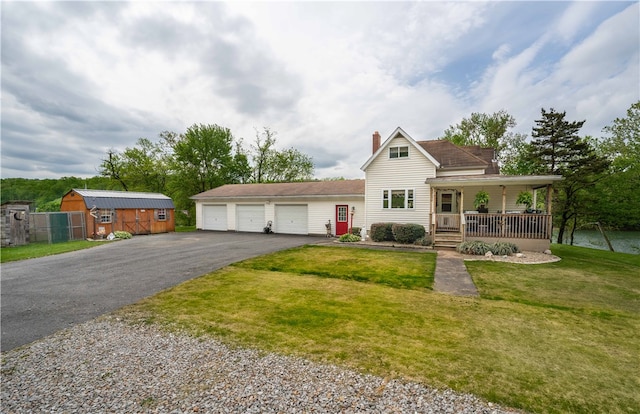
(400,132)
(451,156)
(123,199)
(297,189)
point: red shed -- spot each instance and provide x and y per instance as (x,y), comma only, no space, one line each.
(108,211)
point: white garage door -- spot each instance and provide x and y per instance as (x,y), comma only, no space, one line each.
(214,217)
(250,218)
(291,219)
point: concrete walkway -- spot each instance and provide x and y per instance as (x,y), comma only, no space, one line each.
(451,275)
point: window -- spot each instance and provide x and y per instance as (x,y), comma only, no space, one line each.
(447,203)
(399,152)
(105,216)
(342,214)
(161,214)
(397,199)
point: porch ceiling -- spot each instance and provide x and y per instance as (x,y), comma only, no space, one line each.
(493,179)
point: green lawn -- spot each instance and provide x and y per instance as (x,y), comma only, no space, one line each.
(33,250)
(558,337)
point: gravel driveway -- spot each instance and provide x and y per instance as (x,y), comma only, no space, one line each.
(42,296)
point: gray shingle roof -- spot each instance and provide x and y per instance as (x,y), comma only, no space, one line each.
(124,199)
(299,189)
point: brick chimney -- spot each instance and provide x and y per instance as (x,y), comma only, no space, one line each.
(376,142)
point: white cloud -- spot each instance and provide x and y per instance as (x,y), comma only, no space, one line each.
(324,75)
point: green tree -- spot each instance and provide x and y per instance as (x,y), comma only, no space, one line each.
(557,149)
(616,197)
(271,165)
(492,131)
(144,167)
(203,158)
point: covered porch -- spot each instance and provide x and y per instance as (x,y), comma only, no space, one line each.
(490,208)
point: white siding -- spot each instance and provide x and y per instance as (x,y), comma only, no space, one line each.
(396,174)
(322,211)
(319,210)
(495,197)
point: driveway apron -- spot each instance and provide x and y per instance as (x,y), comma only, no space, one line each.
(41,296)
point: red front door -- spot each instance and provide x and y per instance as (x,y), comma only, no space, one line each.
(342,220)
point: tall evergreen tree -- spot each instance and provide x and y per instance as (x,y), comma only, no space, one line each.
(557,148)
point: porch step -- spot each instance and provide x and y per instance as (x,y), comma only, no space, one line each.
(447,240)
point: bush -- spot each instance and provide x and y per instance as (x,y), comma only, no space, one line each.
(407,233)
(349,238)
(356,230)
(504,249)
(424,241)
(122,234)
(480,248)
(474,247)
(381,232)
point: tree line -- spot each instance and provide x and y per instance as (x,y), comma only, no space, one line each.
(601,174)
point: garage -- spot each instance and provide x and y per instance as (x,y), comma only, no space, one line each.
(250,217)
(214,217)
(291,219)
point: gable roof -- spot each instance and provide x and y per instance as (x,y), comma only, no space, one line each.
(400,132)
(452,156)
(123,199)
(297,189)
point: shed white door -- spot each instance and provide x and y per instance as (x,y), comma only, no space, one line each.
(291,219)
(250,218)
(214,217)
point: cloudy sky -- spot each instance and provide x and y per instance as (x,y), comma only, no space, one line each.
(79,78)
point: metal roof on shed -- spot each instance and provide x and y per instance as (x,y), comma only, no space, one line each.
(123,199)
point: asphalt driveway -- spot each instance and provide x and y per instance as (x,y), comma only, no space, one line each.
(42,296)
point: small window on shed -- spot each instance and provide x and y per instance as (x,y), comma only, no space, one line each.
(161,214)
(105,216)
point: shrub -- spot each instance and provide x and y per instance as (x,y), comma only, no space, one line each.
(424,241)
(504,249)
(349,238)
(407,233)
(122,234)
(474,247)
(356,230)
(381,232)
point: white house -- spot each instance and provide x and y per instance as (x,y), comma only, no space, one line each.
(435,183)
(432,183)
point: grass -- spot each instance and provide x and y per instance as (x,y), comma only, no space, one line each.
(34,250)
(558,337)
(409,270)
(185,229)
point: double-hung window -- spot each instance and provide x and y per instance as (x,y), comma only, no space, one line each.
(399,152)
(398,198)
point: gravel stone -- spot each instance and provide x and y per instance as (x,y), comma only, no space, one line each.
(107,365)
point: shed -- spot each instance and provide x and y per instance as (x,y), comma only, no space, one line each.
(292,208)
(107,211)
(14,223)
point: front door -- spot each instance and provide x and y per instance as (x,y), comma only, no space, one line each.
(342,220)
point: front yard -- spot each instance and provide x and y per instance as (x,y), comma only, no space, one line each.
(559,337)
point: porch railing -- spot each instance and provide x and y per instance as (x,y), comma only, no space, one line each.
(520,225)
(447,222)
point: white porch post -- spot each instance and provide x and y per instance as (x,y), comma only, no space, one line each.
(463,223)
